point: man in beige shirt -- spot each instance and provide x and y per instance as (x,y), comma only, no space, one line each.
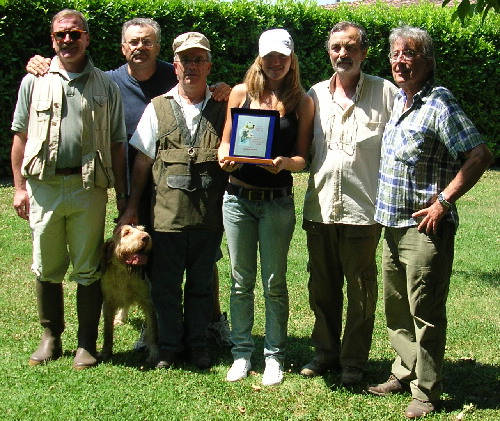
(351,110)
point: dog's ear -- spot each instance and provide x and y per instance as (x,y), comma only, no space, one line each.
(107,253)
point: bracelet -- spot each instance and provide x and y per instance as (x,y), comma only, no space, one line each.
(120,196)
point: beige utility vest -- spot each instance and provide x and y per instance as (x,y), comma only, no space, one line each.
(44,130)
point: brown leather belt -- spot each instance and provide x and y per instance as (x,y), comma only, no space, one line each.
(68,171)
(258,195)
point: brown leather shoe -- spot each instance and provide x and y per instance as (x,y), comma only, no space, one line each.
(417,408)
(83,359)
(314,368)
(50,349)
(392,385)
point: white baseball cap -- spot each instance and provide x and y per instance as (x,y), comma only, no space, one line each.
(278,40)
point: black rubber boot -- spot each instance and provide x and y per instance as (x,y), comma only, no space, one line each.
(51,313)
(88,304)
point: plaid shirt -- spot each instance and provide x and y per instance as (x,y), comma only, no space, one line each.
(421,154)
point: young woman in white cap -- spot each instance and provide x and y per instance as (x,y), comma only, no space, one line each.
(258,207)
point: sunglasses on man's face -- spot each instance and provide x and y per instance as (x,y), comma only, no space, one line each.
(74,34)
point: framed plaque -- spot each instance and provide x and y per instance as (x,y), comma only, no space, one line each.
(252,135)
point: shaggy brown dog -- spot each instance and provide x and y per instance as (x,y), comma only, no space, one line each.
(124,284)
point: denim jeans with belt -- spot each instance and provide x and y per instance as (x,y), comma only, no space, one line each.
(267,225)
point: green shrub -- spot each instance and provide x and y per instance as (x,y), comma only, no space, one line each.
(467,57)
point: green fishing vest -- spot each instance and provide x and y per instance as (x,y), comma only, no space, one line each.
(188,181)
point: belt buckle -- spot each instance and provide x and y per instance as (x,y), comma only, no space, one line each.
(256,195)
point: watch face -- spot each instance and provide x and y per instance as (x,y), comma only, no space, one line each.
(443,201)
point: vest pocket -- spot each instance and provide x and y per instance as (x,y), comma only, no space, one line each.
(103,172)
(189,182)
(42,108)
(33,159)
(101,112)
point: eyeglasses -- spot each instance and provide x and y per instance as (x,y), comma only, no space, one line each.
(406,55)
(198,61)
(74,34)
(146,43)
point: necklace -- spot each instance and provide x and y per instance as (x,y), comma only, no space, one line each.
(269,99)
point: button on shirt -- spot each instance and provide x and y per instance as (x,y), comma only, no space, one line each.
(421,152)
(345,152)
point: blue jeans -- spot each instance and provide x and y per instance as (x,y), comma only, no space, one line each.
(269,226)
(183,317)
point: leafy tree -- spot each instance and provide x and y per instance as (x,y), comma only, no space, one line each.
(466,9)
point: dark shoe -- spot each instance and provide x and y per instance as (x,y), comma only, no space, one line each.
(167,359)
(83,359)
(315,368)
(88,307)
(351,375)
(51,314)
(200,357)
(418,408)
(392,385)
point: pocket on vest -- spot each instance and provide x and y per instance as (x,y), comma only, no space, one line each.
(103,172)
(189,182)
(33,158)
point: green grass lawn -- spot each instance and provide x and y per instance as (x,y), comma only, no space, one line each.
(124,389)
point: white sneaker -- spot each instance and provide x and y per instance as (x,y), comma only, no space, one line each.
(273,374)
(239,370)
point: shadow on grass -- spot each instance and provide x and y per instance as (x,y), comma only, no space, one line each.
(488,278)
(465,381)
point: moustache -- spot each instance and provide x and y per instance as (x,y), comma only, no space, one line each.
(136,53)
(344,61)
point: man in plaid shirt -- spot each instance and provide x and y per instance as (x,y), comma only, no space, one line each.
(431,156)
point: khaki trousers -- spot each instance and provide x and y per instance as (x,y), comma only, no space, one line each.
(337,251)
(416,272)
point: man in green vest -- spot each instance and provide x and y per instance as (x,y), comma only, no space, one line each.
(177,140)
(67,151)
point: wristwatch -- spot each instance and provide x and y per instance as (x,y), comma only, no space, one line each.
(443,201)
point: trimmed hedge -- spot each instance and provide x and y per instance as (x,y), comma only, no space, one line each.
(468,60)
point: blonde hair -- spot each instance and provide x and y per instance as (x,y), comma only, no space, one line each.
(291,93)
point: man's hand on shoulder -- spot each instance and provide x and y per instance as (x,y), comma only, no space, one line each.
(220,91)
(38,65)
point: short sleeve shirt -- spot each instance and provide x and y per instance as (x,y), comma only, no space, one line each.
(421,152)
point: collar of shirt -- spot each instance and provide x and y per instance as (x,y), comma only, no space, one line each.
(55,67)
(359,86)
(192,112)
(421,95)
(174,93)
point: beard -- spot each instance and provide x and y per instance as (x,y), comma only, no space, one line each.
(343,65)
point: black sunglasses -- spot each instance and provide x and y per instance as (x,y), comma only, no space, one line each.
(74,34)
